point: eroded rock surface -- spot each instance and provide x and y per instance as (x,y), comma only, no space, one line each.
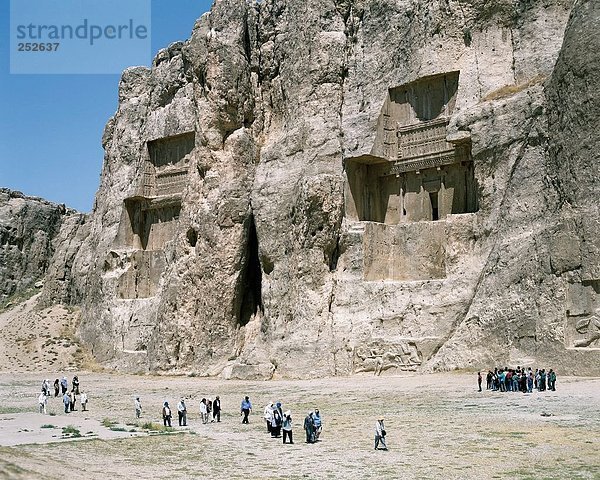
(28,229)
(331,187)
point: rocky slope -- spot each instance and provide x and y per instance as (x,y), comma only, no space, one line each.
(29,227)
(232,234)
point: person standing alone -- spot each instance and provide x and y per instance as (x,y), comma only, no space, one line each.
(245,409)
(138,407)
(380,434)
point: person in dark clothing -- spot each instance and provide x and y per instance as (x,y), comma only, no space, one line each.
(309,427)
(479,380)
(216,409)
(56,387)
(75,387)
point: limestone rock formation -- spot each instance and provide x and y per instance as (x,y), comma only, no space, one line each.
(330,187)
(28,229)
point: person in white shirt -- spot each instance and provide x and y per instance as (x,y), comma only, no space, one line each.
(203,411)
(43,401)
(182,413)
(84,400)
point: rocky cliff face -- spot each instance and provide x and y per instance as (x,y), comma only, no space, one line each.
(29,227)
(331,187)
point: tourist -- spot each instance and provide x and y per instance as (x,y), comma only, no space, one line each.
(216,409)
(166,414)
(43,401)
(318,423)
(309,428)
(56,387)
(380,434)
(73,400)
(182,413)
(287,426)
(276,423)
(203,411)
(209,410)
(543,380)
(529,381)
(64,385)
(479,380)
(84,400)
(552,380)
(67,401)
(75,387)
(46,387)
(246,409)
(488,378)
(268,416)
(138,407)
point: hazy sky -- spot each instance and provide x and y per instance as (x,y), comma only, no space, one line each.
(51,125)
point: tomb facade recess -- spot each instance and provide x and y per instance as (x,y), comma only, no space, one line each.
(413,172)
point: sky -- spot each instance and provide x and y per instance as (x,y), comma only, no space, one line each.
(51,125)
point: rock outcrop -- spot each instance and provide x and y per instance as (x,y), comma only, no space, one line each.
(332,187)
(29,227)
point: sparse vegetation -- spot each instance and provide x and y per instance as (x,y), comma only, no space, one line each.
(71,431)
(17,298)
(48,425)
(509,90)
(108,423)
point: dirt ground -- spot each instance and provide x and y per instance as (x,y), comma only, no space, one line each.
(439,426)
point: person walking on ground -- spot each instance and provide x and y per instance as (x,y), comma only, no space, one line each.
(182,413)
(380,434)
(166,413)
(287,426)
(56,387)
(84,400)
(203,411)
(46,387)
(216,409)
(309,428)
(64,385)
(268,416)
(67,401)
(43,401)
(246,409)
(318,423)
(73,399)
(276,424)
(479,380)
(75,387)
(138,407)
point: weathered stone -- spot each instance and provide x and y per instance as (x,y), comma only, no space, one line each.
(335,187)
(28,227)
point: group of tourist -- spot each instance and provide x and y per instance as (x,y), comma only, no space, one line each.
(278,421)
(209,409)
(518,379)
(69,398)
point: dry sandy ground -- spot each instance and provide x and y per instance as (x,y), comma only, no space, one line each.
(34,339)
(438,426)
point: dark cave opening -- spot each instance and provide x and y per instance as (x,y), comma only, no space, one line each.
(251,279)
